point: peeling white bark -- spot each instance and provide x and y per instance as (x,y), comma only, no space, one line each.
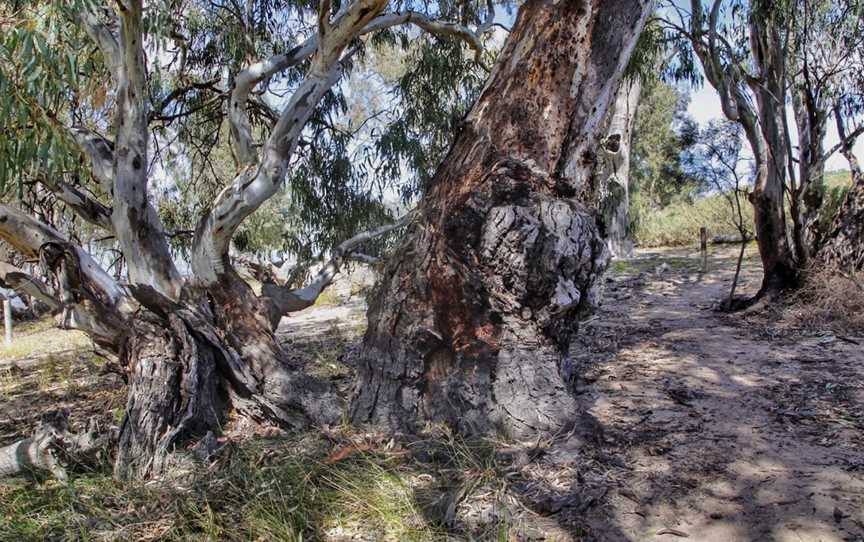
(616,198)
(136,223)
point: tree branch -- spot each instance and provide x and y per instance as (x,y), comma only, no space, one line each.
(103,36)
(256,184)
(91,300)
(100,151)
(247,79)
(136,223)
(84,206)
(285,301)
(27,236)
(14,278)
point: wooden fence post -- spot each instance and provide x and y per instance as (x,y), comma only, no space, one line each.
(703,247)
(7,320)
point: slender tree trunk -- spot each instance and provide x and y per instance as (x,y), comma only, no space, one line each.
(615,204)
(471,322)
(767,137)
(763,123)
(807,197)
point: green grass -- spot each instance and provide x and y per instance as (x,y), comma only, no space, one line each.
(678,224)
(327,298)
(279,489)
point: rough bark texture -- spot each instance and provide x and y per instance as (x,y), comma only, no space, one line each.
(471,322)
(615,203)
(188,362)
(843,245)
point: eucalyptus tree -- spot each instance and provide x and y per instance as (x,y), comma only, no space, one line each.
(843,244)
(471,323)
(194,344)
(743,48)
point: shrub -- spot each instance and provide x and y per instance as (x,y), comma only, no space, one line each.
(678,223)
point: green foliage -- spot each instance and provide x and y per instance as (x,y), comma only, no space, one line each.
(439,84)
(42,87)
(662,132)
(357,151)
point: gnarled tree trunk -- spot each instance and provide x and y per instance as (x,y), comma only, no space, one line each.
(471,322)
(189,361)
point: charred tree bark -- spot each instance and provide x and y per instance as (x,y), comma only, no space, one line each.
(615,203)
(471,322)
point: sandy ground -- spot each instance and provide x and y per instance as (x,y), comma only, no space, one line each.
(697,424)
(717,427)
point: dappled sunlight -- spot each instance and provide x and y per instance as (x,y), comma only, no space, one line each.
(692,406)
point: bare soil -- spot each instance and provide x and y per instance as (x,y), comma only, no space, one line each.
(712,426)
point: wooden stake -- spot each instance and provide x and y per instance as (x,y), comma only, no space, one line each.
(7,320)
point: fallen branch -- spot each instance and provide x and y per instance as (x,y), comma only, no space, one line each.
(53,448)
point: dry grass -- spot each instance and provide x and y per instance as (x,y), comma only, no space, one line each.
(292,488)
(42,338)
(830,300)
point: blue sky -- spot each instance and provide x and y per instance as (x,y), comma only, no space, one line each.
(705,106)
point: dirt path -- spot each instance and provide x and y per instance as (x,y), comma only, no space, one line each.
(713,426)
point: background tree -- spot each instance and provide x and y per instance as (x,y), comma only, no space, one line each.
(717,160)
(825,73)
(742,50)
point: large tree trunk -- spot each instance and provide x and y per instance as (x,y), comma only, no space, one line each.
(615,202)
(188,363)
(471,322)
